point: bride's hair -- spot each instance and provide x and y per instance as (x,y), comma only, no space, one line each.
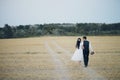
(78,43)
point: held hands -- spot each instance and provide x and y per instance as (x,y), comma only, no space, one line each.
(82,47)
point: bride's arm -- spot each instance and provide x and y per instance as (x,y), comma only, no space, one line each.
(82,47)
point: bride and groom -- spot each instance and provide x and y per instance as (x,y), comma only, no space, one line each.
(83,48)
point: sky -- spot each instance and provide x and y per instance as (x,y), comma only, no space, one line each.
(23,12)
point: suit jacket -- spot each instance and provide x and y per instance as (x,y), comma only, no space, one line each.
(86,47)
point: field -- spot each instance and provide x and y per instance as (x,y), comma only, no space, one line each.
(48,58)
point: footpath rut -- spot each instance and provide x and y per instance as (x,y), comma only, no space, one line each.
(60,68)
(91,74)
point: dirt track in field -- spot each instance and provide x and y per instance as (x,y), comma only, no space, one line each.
(63,70)
(60,69)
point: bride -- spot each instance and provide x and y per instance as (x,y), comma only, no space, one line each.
(78,54)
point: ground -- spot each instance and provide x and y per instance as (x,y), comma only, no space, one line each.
(49,58)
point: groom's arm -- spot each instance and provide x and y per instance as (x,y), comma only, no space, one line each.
(90,47)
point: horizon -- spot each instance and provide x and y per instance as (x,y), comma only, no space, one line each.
(56,23)
(31,12)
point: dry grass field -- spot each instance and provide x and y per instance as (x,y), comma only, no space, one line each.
(48,58)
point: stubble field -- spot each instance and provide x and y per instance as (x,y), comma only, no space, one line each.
(48,58)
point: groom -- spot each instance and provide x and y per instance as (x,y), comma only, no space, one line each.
(86,49)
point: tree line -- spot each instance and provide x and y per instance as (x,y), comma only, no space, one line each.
(65,29)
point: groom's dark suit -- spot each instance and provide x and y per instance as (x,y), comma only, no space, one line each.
(86,52)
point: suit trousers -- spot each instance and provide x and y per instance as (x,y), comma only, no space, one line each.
(86,57)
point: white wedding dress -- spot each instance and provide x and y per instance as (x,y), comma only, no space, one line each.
(78,54)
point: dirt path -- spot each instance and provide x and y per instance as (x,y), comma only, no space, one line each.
(92,74)
(60,69)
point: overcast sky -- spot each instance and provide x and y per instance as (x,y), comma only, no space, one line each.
(16,12)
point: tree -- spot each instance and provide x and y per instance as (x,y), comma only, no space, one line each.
(8,33)
(1,33)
